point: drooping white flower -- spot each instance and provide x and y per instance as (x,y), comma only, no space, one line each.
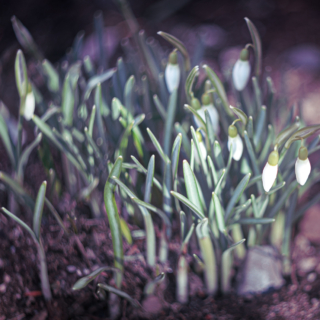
(235,141)
(270,171)
(303,166)
(172,72)
(29,107)
(213,113)
(241,70)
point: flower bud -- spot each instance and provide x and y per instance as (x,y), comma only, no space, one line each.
(29,106)
(302,167)
(241,70)
(235,141)
(172,72)
(213,113)
(270,171)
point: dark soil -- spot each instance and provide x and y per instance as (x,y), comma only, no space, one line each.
(21,296)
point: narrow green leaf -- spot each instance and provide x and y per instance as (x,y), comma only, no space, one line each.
(95,80)
(266,147)
(125,231)
(191,186)
(254,221)
(276,208)
(186,240)
(185,140)
(179,45)
(217,84)
(149,180)
(189,204)
(207,251)
(217,151)
(56,215)
(38,209)
(162,111)
(240,114)
(196,114)
(52,76)
(25,226)
(85,192)
(236,195)
(302,134)
(219,213)
(285,134)
(276,188)
(257,46)
(21,74)
(213,170)
(168,126)
(114,219)
(5,137)
(189,82)
(120,293)
(84,281)
(252,156)
(250,127)
(260,126)
(157,146)
(175,154)
(142,169)
(242,207)
(128,94)
(25,38)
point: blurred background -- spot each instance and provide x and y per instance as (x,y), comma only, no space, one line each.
(289,29)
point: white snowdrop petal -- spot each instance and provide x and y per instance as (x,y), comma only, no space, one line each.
(203,150)
(302,169)
(241,74)
(269,175)
(214,116)
(172,76)
(237,147)
(29,106)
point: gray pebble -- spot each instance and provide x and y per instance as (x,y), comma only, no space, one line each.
(71,269)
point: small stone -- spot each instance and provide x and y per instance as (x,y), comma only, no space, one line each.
(71,269)
(86,271)
(3,288)
(315,302)
(6,278)
(307,265)
(307,288)
(90,254)
(312,277)
(79,273)
(261,271)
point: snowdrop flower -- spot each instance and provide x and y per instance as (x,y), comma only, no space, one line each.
(270,171)
(241,70)
(29,106)
(172,72)
(302,167)
(235,141)
(213,113)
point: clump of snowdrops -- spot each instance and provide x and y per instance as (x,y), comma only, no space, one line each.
(225,173)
